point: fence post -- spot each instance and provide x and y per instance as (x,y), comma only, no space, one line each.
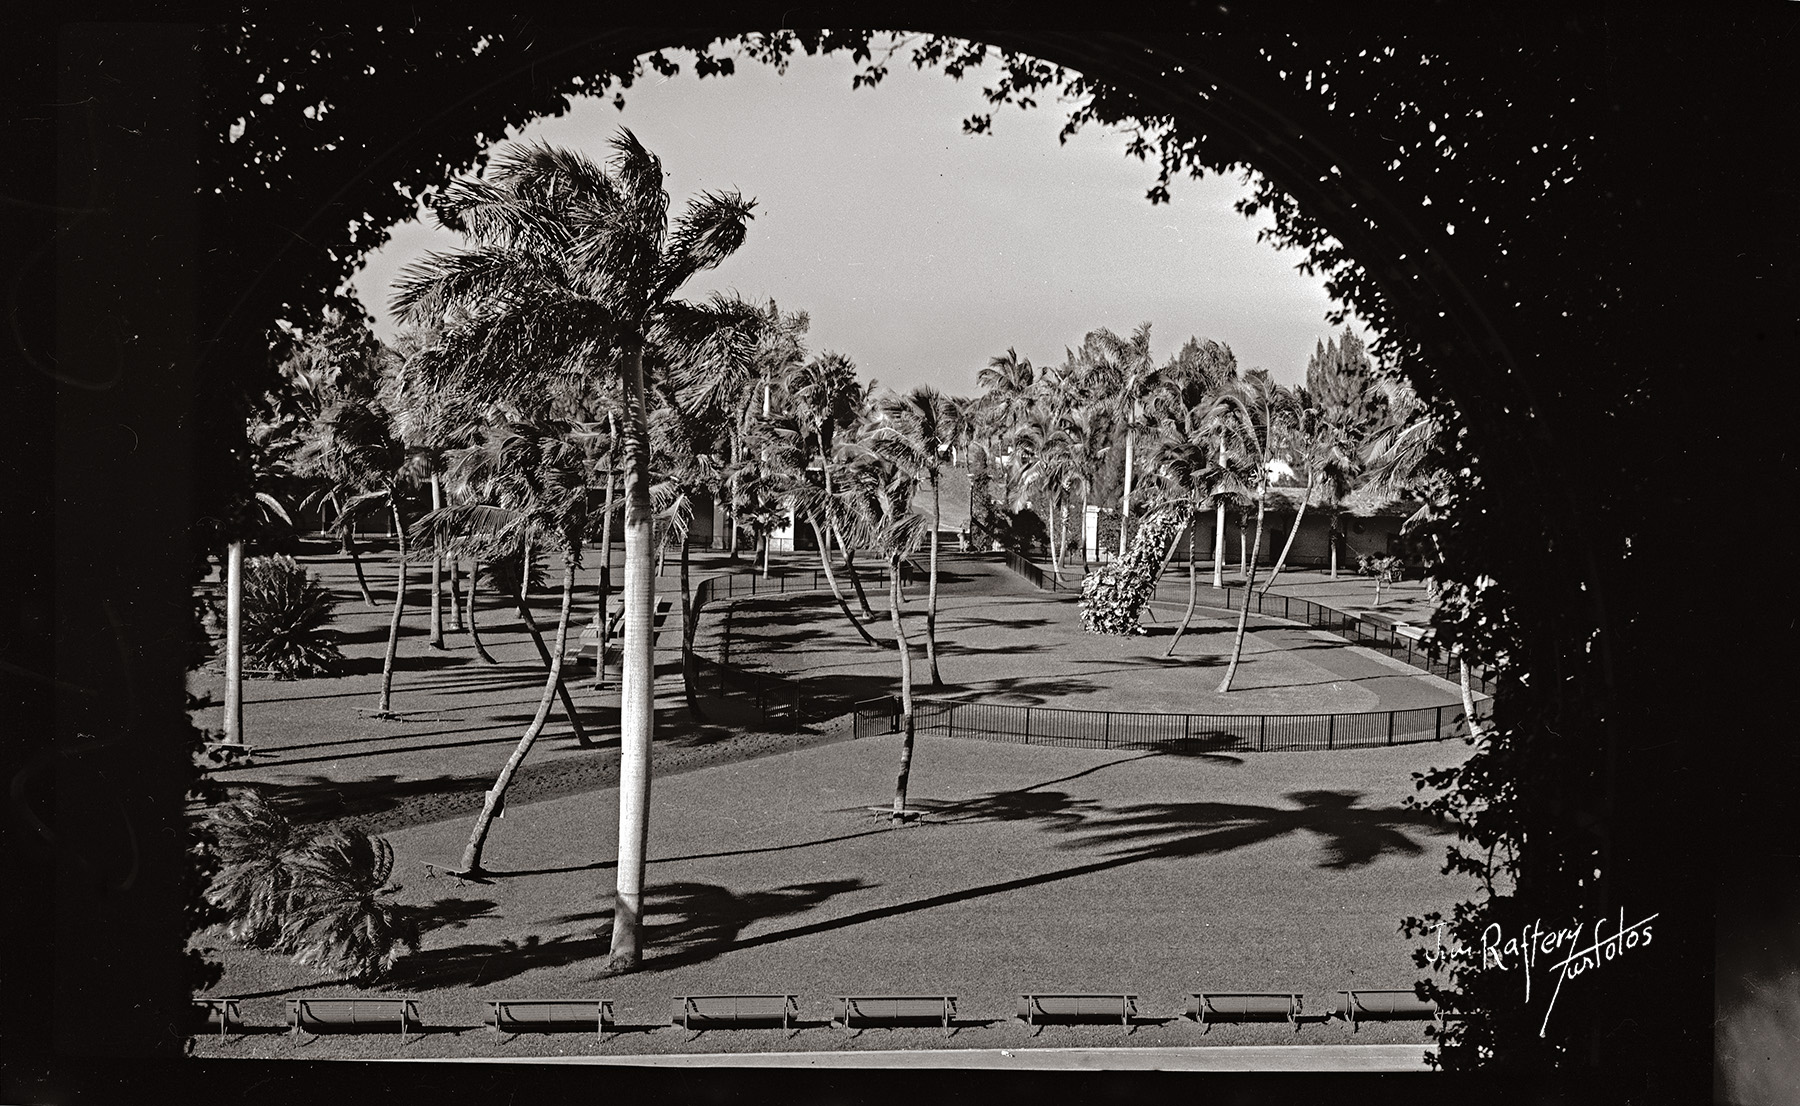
(1106,739)
(1330,731)
(1262,733)
(950,721)
(1027,725)
(1390,727)
(1437,726)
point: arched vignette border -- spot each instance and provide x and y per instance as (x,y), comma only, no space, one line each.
(1303,150)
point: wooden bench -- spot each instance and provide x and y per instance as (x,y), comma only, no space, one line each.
(898,1009)
(222,1012)
(1362,1005)
(1036,1007)
(520,1015)
(350,1015)
(1207,1007)
(709,1011)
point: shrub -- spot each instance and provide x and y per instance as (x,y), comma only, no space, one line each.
(286,620)
(321,897)
(253,843)
(1112,595)
(339,920)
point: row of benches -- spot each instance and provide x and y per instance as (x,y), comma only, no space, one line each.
(701,1012)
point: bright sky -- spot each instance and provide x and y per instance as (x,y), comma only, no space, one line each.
(921,252)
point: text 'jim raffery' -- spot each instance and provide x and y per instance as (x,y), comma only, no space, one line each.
(1582,948)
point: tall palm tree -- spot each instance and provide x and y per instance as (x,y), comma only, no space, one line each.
(1122,376)
(1008,395)
(353,448)
(878,508)
(916,439)
(1185,462)
(1253,415)
(573,269)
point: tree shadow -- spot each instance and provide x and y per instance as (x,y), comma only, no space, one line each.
(708,920)
(322,799)
(404,662)
(1354,836)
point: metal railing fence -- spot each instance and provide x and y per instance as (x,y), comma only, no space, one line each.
(1191,733)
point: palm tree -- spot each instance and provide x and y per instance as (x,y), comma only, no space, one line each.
(916,438)
(878,509)
(574,269)
(1340,379)
(1121,376)
(340,919)
(1054,470)
(1008,396)
(554,472)
(253,842)
(825,396)
(1185,462)
(1253,415)
(352,446)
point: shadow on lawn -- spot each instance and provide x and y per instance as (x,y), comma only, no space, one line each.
(1354,836)
(321,799)
(708,919)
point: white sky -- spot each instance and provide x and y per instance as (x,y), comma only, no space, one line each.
(921,252)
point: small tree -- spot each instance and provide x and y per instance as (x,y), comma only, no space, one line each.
(253,843)
(1385,569)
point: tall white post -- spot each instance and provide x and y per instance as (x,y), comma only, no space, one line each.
(234,643)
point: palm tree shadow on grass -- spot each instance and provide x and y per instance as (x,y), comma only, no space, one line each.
(708,920)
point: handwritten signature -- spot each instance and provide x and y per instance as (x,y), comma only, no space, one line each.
(1525,949)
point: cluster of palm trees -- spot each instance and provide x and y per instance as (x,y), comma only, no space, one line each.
(1192,432)
(554,389)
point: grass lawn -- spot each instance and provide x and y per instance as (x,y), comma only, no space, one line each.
(1035,869)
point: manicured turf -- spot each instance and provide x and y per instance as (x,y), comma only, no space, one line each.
(1033,869)
(1036,869)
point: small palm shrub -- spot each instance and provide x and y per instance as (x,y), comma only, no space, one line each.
(324,898)
(1386,569)
(286,620)
(340,920)
(253,843)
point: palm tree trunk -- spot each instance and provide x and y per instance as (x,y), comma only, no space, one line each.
(1056,542)
(931,591)
(496,795)
(436,639)
(1289,544)
(1243,538)
(549,662)
(906,699)
(1468,696)
(1193,587)
(234,643)
(456,614)
(605,621)
(393,644)
(474,634)
(1219,528)
(356,562)
(637,703)
(1125,496)
(1237,644)
(1334,541)
(862,597)
(837,593)
(687,638)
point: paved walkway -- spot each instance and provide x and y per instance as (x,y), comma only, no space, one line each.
(1238,1058)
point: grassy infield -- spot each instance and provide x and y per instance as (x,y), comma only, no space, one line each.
(1035,869)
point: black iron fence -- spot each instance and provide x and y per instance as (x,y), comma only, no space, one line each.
(1192,733)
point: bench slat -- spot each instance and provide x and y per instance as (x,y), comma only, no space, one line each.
(732,1009)
(896,1008)
(347,1013)
(1379,1005)
(546,1015)
(1207,1007)
(1033,1006)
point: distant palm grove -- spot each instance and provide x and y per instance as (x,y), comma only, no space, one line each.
(553,393)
